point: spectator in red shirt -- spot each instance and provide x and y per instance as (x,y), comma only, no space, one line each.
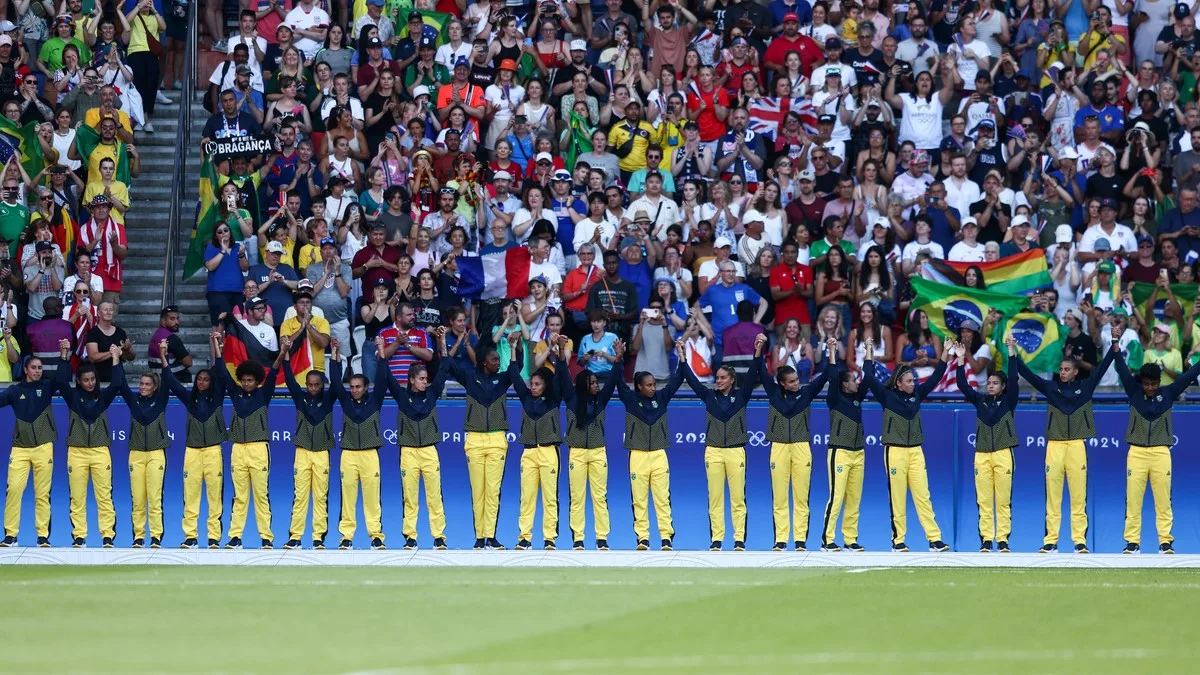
(377,261)
(791,287)
(403,353)
(792,41)
(729,74)
(708,104)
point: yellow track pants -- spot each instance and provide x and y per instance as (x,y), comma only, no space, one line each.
(649,473)
(203,469)
(906,473)
(588,466)
(1151,464)
(723,465)
(251,465)
(96,464)
(415,464)
(845,489)
(39,460)
(147,469)
(311,478)
(486,452)
(791,466)
(539,470)
(1066,459)
(360,467)
(993,494)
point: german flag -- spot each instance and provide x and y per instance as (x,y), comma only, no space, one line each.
(244,342)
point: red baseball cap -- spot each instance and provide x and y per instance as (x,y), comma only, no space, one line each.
(791,16)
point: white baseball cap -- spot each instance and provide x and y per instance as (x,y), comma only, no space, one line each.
(722,242)
(1063,234)
(275,247)
(502,175)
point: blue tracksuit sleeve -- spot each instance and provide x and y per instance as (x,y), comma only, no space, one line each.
(521,389)
(221,374)
(875,386)
(770,387)
(625,393)
(960,378)
(1127,382)
(814,386)
(1093,380)
(118,387)
(1183,381)
(930,382)
(294,388)
(749,382)
(563,375)
(339,392)
(675,382)
(704,393)
(608,387)
(267,390)
(172,384)
(1038,383)
(1012,387)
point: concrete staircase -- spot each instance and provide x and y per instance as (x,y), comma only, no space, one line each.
(146,227)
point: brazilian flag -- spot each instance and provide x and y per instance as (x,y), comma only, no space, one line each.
(86,140)
(1140,293)
(436,20)
(206,220)
(948,306)
(1039,340)
(581,139)
(21,141)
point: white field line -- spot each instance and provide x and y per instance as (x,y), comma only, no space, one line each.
(707,663)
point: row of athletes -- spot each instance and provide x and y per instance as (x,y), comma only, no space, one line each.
(1070,423)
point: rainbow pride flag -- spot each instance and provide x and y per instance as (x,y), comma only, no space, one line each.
(1019,274)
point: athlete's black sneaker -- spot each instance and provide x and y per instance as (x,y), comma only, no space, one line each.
(410,544)
(292,544)
(1048,548)
(601,544)
(1081,548)
(479,544)
(666,545)
(440,543)
(578,545)
(139,543)
(495,544)
(739,546)
(8,542)
(345,545)
(234,542)
(985,547)
(43,542)
(1167,548)
(318,544)
(189,543)
(377,544)
(214,543)
(1002,547)
(779,546)
(898,548)
(107,542)
(715,546)
(1131,547)
(523,545)
(267,543)
(938,546)
(79,542)
(643,545)
(855,547)
(548,545)
(155,542)
(830,547)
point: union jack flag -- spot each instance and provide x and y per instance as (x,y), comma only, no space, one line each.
(767,114)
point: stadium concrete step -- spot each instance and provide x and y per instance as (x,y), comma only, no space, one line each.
(146,228)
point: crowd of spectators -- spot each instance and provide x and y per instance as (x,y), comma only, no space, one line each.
(79,82)
(704,171)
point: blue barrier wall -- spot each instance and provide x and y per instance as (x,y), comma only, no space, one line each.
(948,450)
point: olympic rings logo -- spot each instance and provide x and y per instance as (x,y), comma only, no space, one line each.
(758,439)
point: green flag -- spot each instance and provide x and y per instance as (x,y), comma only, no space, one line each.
(1039,340)
(1140,293)
(437,20)
(948,306)
(87,139)
(206,220)
(581,139)
(24,139)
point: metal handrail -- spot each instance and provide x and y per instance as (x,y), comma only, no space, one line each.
(182,141)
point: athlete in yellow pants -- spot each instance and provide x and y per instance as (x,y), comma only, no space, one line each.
(486,425)
(34,434)
(311,475)
(646,438)
(846,466)
(250,460)
(791,457)
(203,469)
(995,438)
(147,468)
(587,460)
(94,463)
(251,467)
(203,465)
(539,470)
(902,454)
(417,464)
(314,439)
(360,467)
(88,438)
(1150,435)
(725,454)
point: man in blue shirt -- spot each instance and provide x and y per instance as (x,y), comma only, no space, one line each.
(721,300)
(276,281)
(567,210)
(1182,225)
(1112,121)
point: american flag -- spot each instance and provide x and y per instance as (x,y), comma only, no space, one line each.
(767,113)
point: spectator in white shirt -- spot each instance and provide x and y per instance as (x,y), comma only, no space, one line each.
(309,25)
(922,244)
(255,44)
(969,249)
(961,192)
(1120,238)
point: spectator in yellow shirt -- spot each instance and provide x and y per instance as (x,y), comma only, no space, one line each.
(309,335)
(106,184)
(630,138)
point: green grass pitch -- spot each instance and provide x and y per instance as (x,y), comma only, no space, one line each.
(474,620)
